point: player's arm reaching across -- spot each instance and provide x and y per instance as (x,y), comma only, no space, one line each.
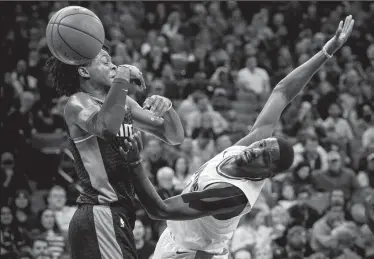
(292,84)
(104,122)
(157,117)
(219,200)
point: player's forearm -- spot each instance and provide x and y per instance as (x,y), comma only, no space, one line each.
(294,82)
(173,129)
(113,109)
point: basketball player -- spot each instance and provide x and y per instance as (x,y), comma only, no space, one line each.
(226,187)
(99,116)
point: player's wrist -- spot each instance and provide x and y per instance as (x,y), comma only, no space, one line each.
(136,162)
(326,52)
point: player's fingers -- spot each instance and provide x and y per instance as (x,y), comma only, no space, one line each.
(138,139)
(340,29)
(156,106)
(350,28)
(346,22)
(146,104)
(134,143)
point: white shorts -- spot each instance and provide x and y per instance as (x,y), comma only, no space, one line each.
(166,248)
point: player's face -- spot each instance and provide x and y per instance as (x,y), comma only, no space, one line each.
(260,156)
(102,71)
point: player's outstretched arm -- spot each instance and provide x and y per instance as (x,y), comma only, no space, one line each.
(369,211)
(103,122)
(216,200)
(160,120)
(293,83)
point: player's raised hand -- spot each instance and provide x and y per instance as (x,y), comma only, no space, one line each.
(158,105)
(133,75)
(133,148)
(342,34)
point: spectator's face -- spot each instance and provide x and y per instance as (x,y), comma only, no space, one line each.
(288,192)
(21,201)
(186,146)
(363,180)
(334,111)
(139,230)
(312,10)
(311,145)
(303,172)
(260,156)
(337,197)
(6,216)
(7,161)
(57,198)
(298,240)
(202,104)
(39,247)
(181,165)
(165,178)
(251,62)
(335,163)
(250,50)
(242,254)
(346,52)
(154,147)
(48,219)
(278,19)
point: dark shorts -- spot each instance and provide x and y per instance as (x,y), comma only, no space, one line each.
(101,232)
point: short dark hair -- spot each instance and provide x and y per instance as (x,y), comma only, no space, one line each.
(286,155)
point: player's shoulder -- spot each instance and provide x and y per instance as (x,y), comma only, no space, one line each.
(78,102)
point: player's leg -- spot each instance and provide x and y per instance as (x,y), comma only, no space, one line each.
(83,241)
(95,232)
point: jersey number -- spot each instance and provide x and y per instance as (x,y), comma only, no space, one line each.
(193,184)
(125,131)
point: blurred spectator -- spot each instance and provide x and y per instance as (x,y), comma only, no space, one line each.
(56,201)
(143,247)
(154,155)
(21,208)
(165,177)
(49,230)
(337,177)
(182,174)
(39,248)
(223,142)
(203,146)
(242,254)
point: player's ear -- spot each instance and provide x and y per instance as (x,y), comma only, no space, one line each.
(83,72)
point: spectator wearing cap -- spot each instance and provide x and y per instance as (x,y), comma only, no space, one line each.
(337,177)
(346,235)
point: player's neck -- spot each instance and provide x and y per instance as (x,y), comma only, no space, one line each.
(95,91)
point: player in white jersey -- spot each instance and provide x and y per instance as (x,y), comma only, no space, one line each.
(201,220)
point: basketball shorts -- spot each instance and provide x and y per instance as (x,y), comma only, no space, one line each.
(101,232)
(166,248)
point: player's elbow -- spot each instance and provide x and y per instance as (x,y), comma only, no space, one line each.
(159,214)
(175,139)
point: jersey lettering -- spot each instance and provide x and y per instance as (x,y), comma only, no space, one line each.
(194,181)
(125,131)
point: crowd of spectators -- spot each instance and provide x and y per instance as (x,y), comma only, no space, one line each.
(217,62)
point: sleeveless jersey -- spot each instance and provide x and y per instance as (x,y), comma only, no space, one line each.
(209,234)
(102,170)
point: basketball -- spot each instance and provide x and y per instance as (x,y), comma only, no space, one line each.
(75,35)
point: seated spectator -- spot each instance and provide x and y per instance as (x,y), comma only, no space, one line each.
(308,149)
(14,239)
(39,248)
(337,177)
(254,79)
(165,177)
(182,174)
(21,207)
(322,239)
(301,176)
(49,230)
(203,146)
(144,248)
(12,177)
(22,81)
(223,142)
(56,201)
(242,254)
(154,154)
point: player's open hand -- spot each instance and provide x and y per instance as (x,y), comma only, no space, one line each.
(158,105)
(342,34)
(133,75)
(133,148)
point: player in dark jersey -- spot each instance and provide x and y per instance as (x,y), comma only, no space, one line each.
(99,116)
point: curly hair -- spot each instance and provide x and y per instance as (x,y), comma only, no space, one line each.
(65,78)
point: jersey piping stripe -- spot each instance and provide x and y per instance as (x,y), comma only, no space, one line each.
(84,139)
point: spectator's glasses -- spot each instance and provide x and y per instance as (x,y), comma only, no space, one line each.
(334,160)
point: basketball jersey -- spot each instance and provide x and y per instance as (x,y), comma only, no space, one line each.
(209,234)
(102,170)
